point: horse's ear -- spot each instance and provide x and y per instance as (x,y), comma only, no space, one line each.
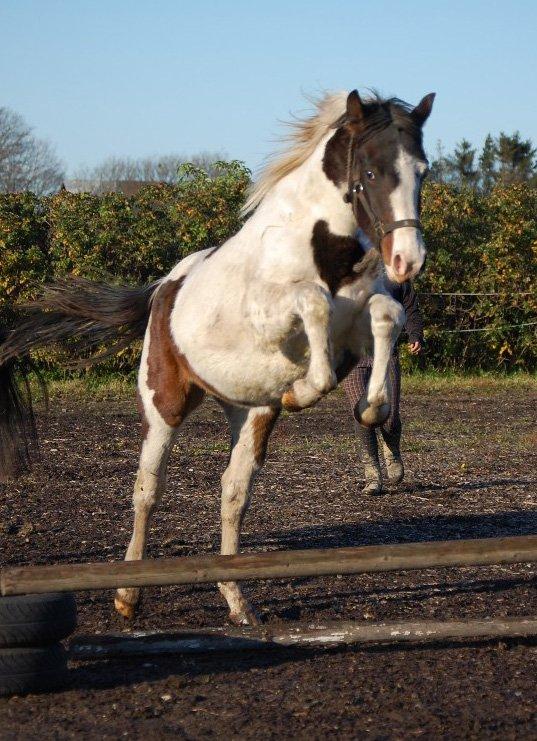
(422,111)
(355,109)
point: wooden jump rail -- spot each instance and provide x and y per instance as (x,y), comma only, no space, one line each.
(271,565)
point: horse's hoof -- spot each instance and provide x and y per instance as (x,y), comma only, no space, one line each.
(124,608)
(289,402)
(248,616)
(371,416)
(301,396)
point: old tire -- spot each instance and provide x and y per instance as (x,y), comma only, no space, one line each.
(36,619)
(32,669)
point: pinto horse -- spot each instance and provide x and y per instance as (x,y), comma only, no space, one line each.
(271,319)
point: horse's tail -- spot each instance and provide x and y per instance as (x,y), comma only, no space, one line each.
(82,313)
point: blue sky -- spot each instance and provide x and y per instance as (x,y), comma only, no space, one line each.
(139,77)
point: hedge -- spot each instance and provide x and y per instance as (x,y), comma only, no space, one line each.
(481,244)
(476,244)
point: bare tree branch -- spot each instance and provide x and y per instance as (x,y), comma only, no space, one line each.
(161,169)
(26,163)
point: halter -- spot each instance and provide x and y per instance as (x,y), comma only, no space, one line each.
(357,193)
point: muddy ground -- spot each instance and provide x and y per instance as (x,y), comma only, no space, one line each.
(471,472)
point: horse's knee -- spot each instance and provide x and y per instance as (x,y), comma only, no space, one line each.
(386,313)
(314,303)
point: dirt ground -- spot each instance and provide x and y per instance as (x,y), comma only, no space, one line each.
(471,472)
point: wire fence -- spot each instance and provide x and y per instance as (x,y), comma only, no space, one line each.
(486,329)
(487,293)
(492,327)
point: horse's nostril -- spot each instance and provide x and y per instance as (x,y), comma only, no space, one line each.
(400,265)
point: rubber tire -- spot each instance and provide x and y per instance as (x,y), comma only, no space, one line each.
(36,669)
(36,619)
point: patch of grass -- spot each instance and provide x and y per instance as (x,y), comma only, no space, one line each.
(89,387)
(430,382)
(99,387)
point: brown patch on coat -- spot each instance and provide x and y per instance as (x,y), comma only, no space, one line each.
(289,402)
(168,374)
(386,246)
(178,388)
(336,155)
(141,412)
(335,257)
(262,426)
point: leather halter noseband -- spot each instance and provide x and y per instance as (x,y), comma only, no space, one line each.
(357,193)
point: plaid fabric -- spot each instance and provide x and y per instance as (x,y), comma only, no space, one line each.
(355,385)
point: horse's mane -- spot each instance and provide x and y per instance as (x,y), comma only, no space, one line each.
(306,133)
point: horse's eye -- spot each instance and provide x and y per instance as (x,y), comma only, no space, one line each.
(370,175)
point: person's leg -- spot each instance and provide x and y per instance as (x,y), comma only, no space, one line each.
(391,429)
(355,385)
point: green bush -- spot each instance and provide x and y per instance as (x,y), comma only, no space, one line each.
(480,243)
(141,238)
(476,243)
(113,237)
(24,255)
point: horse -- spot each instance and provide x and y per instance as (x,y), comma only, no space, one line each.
(273,318)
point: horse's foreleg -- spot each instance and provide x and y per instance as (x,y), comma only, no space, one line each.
(250,431)
(314,308)
(387,319)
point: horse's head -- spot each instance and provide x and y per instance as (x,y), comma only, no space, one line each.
(385,167)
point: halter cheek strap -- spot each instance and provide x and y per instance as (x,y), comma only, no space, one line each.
(357,194)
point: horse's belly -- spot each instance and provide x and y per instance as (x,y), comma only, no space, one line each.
(229,357)
(244,374)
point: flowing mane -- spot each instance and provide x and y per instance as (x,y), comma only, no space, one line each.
(305,135)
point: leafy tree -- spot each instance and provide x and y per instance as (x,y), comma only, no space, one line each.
(487,161)
(438,167)
(461,165)
(504,160)
(515,159)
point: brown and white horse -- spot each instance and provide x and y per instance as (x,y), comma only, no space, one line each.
(273,318)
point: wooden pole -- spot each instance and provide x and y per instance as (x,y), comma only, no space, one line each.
(331,633)
(275,564)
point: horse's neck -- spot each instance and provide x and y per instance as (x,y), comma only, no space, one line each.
(288,213)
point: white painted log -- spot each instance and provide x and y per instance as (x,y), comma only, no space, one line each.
(331,633)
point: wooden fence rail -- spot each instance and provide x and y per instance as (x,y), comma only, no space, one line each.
(274,564)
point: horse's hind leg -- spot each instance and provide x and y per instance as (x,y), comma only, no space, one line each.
(250,431)
(148,489)
(151,479)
